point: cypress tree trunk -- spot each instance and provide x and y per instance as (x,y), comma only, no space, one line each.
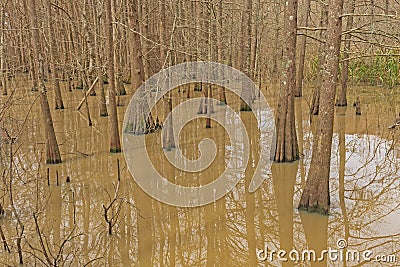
(52,150)
(100,83)
(245,58)
(3,72)
(342,96)
(315,197)
(137,69)
(115,144)
(321,60)
(55,77)
(286,142)
(302,54)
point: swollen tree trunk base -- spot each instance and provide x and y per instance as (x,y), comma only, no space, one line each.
(53,161)
(286,158)
(342,100)
(340,104)
(244,106)
(103,113)
(298,94)
(52,151)
(222,103)
(115,150)
(315,209)
(316,197)
(59,107)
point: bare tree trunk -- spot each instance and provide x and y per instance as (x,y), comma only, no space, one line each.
(137,69)
(52,150)
(115,145)
(118,57)
(222,94)
(245,59)
(3,71)
(302,53)
(321,59)
(102,100)
(342,97)
(55,77)
(387,7)
(168,137)
(146,11)
(89,40)
(33,72)
(315,197)
(286,142)
(277,47)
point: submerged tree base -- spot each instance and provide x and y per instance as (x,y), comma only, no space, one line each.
(341,104)
(293,158)
(53,161)
(314,209)
(245,108)
(169,147)
(115,150)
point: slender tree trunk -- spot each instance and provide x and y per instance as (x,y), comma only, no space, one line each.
(315,197)
(118,58)
(286,142)
(277,45)
(115,145)
(55,77)
(100,83)
(89,40)
(146,48)
(3,71)
(52,150)
(222,93)
(245,59)
(302,53)
(137,69)
(168,137)
(31,65)
(342,96)
(321,59)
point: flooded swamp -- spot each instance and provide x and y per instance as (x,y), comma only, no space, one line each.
(64,222)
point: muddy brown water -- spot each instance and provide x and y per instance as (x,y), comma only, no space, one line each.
(235,230)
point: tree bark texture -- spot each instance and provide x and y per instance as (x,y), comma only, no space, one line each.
(321,60)
(115,144)
(302,53)
(286,138)
(342,96)
(315,197)
(52,151)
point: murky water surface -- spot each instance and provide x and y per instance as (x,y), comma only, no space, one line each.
(236,230)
